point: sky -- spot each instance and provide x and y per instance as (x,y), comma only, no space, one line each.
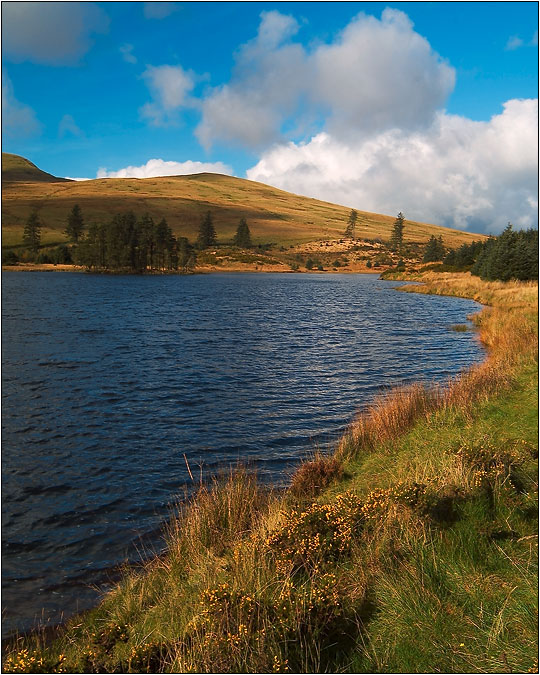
(429,108)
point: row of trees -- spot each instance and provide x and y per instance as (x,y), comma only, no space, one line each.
(512,255)
(126,243)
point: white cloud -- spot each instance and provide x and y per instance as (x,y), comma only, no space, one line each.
(514,42)
(376,75)
(55,33)
(127,53)
(456,172)
(18,119)
(159,167)
(68,126)
(170,87)
(159,10)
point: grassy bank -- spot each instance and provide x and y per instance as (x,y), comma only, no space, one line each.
(412,549)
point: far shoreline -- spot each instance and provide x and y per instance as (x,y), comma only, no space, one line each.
(49,267)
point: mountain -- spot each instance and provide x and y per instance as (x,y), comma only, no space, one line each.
(273,215)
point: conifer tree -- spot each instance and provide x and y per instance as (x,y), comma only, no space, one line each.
(434,249)
(75,224)
(242,238)
(396,240)
(207,234)
(32,232)
(351,224)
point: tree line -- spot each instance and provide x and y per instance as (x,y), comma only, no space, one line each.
(511,255)
(128,243)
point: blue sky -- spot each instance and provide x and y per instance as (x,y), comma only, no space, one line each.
(425,107)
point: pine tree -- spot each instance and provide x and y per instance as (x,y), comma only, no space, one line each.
(396,240)
(242,238)
(32,232)
(75,224)
(207,234)
(434,250)
(351,224)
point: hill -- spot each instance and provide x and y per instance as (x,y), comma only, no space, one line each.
(273,215)
(16,169)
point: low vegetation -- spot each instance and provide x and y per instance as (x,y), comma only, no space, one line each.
(411,549)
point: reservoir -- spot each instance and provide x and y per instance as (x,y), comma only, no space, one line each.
(110,384)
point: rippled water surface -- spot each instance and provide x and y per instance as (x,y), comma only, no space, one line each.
(108,381)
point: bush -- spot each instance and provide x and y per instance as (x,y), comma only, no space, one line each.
(309,264)
(9,258)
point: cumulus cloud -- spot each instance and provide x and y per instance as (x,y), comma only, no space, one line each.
(18,119)
(55,33)
(376,75)
(456,172)
(159,167)
(170,87)
(268,82)
(159,10)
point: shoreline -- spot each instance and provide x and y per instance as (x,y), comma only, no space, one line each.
(203,269)
(438,286)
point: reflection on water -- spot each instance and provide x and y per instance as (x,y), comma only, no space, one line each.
(108,381)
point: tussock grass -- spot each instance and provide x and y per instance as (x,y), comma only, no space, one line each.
(412,549)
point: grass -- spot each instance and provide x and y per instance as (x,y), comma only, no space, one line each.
(412,549)
(273,215)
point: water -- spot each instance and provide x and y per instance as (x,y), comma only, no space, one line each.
(109,380)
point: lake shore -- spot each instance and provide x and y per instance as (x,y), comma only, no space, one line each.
(202,269)
(399,553)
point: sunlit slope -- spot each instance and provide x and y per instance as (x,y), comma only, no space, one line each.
(273,215)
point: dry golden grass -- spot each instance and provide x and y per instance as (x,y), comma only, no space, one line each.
(508,329)
(273,215)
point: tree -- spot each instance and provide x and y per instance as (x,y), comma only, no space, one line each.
(75,224)
(396,240)
(434,250)
(242,238)
(351,224)
(207,234)
(32,232)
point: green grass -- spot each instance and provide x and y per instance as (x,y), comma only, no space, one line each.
(412,549)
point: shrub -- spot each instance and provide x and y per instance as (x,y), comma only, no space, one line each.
(9,258)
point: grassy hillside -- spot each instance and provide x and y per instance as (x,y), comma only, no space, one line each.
(412,549)
(19,169)
(273,215)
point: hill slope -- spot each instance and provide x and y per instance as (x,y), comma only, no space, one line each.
(19,169)
(273,215)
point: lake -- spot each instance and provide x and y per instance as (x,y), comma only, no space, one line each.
(111,382)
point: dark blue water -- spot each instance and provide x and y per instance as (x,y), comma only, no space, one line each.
(108,381)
